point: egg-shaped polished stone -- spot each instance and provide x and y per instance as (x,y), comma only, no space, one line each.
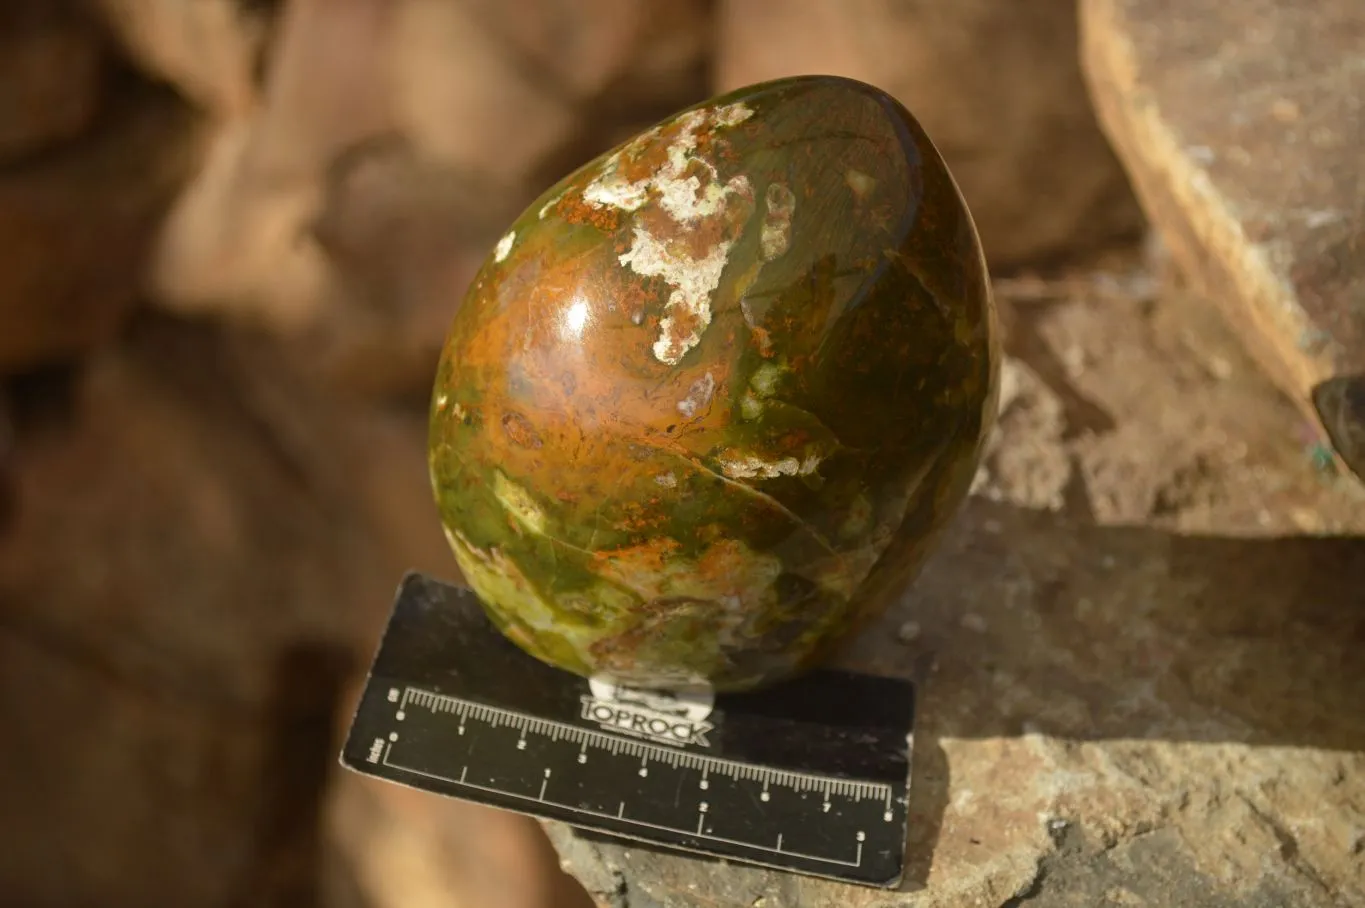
(710,401)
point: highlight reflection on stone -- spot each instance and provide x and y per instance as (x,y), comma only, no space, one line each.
(712,398)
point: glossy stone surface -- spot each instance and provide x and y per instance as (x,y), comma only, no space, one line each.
(710,401)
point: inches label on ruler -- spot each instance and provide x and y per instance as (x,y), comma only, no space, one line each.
(811,777)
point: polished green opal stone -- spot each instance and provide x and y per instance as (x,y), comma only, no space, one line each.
(710,401)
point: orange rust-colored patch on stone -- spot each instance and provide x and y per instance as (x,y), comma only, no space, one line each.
(723,151)
(762,341)
(653,555)
(643,164)
(520,431)
(573,209)
(683,325)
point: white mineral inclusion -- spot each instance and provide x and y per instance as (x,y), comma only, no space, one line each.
(732,114)
(545,209)
(750,467)
(692,280)
(519,503)
(685,198)
(610,191)
(698,396)
(681,192)
(775,236)
(861,184)
(504,246)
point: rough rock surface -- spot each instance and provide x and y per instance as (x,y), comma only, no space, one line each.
(1246,155)
(1138,649)
(996,84)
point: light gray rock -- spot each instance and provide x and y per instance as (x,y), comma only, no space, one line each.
(1138,695)
(1241,125)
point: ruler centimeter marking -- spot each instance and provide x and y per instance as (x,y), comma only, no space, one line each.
(833,802)
(496,716)
(856,862)
(500,717)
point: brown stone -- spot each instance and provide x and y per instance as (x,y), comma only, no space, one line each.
(51,63)
(390,146)
(404,235)
(1246,155)
(296,224)
(116,796)
(499,90)
(200,557)
(346,204)
(77,227)
(582,49)
(208,50)
(549,85)
(997,86)
(186,429)
(237,241)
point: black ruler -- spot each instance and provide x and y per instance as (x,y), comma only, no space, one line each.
(811,776)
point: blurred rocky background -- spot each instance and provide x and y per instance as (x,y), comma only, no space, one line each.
(232,233)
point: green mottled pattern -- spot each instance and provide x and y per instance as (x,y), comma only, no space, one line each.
(712,400)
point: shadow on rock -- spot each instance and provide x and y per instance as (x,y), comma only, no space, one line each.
(1035,623)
